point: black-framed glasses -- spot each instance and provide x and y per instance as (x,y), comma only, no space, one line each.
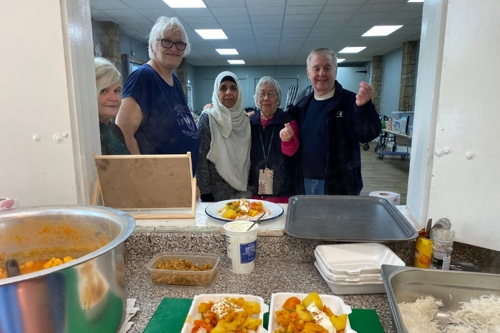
(167,43)
(270,95)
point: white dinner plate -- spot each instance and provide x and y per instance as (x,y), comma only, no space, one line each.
(213,209)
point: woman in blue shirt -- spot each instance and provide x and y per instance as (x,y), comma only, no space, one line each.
(154,116)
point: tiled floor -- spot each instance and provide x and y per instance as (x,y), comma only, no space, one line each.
(387,174)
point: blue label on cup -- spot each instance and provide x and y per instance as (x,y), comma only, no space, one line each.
(247,252)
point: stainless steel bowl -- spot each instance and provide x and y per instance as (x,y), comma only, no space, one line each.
(83,295)
(407,284)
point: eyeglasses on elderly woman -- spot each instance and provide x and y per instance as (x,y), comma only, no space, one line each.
(167,43)
(270,95)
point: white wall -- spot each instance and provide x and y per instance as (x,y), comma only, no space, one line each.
(391,82)
(456,99)
(44,155)
(204,78)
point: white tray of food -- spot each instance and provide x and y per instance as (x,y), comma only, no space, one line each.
(334,303)
(222,307)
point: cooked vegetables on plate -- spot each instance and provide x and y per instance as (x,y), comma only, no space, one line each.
(243,209)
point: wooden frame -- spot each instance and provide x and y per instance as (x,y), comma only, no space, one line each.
(146,186)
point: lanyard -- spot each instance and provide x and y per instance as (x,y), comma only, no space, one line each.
(266,157)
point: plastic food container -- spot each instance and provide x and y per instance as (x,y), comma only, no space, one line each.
(183,278)
(344,288)
(355,259)
(335,303)
(194,314)
(346,278)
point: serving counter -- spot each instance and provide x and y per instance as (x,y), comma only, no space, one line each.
(283,264)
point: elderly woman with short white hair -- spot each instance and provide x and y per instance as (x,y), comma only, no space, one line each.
(154,115)
(274,144)
(109,89)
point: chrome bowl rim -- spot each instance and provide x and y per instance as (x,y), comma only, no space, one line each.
(127,222)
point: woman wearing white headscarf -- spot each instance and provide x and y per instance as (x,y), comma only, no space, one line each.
(224,159)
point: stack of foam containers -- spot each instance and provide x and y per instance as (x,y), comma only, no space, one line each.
(354,268)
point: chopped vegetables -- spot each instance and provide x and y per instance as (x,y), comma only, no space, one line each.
(242,209)
(38,265)
(226,316)
(308,316)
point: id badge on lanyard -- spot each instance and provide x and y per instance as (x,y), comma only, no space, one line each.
(266,175)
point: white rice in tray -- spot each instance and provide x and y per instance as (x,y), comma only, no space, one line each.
(419,316)
(479,315)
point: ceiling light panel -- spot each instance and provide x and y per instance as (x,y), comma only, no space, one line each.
(227,51)
(185,3)
(340,60)
(236,62)
(211,33)
(381,30)
(352,49)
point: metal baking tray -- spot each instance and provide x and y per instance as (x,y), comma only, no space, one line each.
(407,284)
(346,219)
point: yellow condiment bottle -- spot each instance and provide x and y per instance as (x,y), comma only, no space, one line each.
(423,252)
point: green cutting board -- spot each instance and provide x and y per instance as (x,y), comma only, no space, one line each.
(171,314)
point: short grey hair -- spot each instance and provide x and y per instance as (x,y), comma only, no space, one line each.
(323,51)
(170,24)
(106,74)
(267,80)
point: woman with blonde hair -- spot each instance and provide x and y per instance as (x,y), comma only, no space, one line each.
(109,89)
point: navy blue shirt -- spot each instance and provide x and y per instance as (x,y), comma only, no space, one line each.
(315,142)
(167,126)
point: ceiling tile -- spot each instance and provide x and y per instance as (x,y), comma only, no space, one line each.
(97,15)
(145,4)
(261,30)
(224,3)
(301,18)
(264,3)
(303,10)
(306,3)
(108,4)
(120,13)
(268,10)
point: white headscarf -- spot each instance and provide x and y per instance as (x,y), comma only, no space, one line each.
(230,131)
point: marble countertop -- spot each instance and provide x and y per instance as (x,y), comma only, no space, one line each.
(204,223)
(283,263)
(269,276)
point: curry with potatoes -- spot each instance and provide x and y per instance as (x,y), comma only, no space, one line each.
(35,266)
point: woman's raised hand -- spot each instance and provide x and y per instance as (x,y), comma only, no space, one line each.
(286,133)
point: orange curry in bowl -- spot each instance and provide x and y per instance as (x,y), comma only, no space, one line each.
(35,266)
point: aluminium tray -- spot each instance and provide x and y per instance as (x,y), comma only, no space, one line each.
(407,284)
(346,219)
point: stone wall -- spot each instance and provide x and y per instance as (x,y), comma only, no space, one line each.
(408,76)
(181,73)
(109,34)
(377,62)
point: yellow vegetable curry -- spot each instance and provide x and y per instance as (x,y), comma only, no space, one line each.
(35,266)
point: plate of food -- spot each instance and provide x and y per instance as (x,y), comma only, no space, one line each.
(244,209)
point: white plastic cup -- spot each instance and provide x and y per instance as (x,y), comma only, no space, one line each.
(241,246)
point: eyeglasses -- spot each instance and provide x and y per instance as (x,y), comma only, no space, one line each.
(167,43)
(270,95)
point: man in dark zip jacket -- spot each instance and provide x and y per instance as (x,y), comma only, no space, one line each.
(332,122)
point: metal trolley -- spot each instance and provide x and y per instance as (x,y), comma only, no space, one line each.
(380,149)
